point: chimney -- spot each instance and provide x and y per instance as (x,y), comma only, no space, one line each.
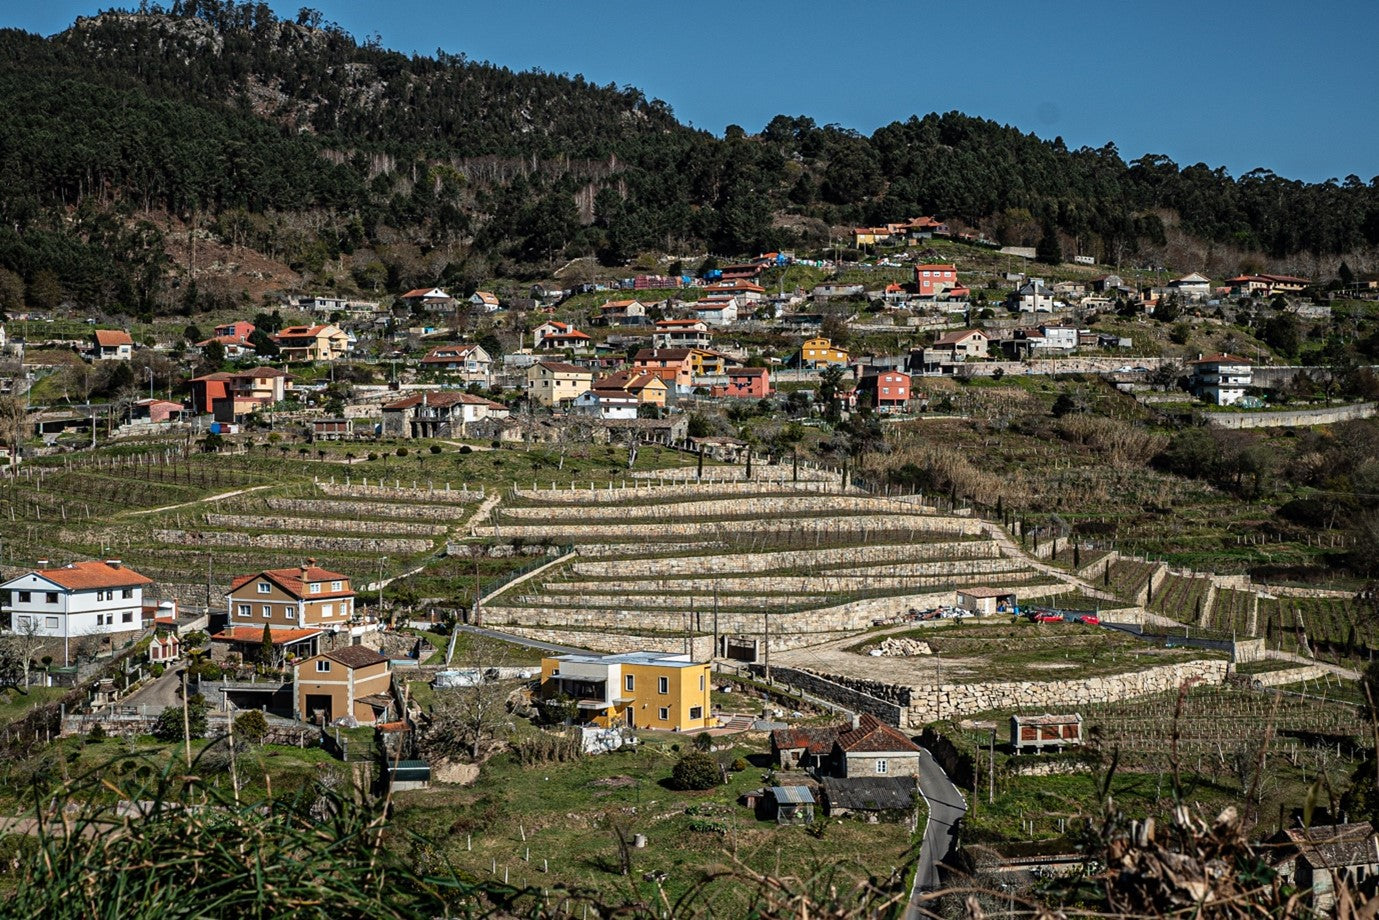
(43,563)
(856,721)
(113,563)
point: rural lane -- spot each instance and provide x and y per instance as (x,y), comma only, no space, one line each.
(946,806)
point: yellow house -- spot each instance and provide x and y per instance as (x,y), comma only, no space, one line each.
(704,362)
(555,383)
(638,689)
(648,388)
(820,351)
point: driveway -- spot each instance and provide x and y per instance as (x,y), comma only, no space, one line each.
(153,698)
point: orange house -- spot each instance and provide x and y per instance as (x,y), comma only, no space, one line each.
(746,383)
(352,682)
(673,365)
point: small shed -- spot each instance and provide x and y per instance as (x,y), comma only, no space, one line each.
(794,804)
(986,601)
(1036,733)
(409,774)
(872,797)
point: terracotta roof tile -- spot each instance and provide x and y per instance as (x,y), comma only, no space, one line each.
(83,576)
(355,656)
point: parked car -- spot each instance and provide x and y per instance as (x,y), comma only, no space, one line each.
(1045,616)
(1090,619)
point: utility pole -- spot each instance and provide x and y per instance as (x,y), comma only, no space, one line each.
(382,560)
(209,558)
(766,642)
(716,640)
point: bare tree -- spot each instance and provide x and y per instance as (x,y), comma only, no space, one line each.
(465,720)
(12,426)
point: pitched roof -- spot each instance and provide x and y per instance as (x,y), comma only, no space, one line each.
(355,656)
(747,372)
(254,634)
(83,576)
(448,352)
(560,367)
(110,338)
(814,740)
(873,736)
(870,793)
(424,292)
(662,354)
(957,338)
(294,581)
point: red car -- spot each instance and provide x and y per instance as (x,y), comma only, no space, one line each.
(1044,616)
(1090,619)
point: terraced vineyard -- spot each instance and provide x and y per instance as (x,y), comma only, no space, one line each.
(658,560)
(1182,598)
(1127,578)
(1233,612)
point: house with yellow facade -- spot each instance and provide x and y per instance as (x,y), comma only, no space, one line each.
(819,352)
(651,690)
(555,383)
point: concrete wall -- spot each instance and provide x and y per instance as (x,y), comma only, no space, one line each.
(1291,418)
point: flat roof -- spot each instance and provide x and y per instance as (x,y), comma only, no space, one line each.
(664,659)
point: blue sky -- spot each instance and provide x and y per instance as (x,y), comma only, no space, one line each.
(1285,86)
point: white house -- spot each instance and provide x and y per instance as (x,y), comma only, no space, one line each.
(716,310)
(81,599)
(1194,286)
(1062,337)
(1222,379)
(606,404)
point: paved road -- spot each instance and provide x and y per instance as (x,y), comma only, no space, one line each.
(162,692)
(521,640)
(946,806)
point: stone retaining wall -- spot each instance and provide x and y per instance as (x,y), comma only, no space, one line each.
(1287,676)
(701,647)
(929,704)
(832,689)
(746,563)
(398,492)
(292,541)
(761,472)
(622,491)
(434,512)
(263,522)
(920,574)
(783,506)
(822,527)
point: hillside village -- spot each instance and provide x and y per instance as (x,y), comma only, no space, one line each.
(776,544)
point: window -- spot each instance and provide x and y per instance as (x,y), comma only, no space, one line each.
(21,623)
(246,610)
(267,611)
(335,585)
(264,587)
(629,683)
(315,587)
(701,683)
(323,665)
(663,684)
(290,613)
(663,714)
(881,766)
(50,622)
(50,597)
(127,592)
(696,713)
(127,616)
(24,597)
(327,610)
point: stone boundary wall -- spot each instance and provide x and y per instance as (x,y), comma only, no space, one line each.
(368,509)
(263,522)
(1295,418)
(291,541)
(761,472)
(1247,650)
(399,492)
(850,525)
(832,689)
(776,505)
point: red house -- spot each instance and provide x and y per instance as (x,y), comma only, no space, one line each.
(746,383)
(935,280)
(888,391)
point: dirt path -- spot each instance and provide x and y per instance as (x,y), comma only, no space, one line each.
(208,498)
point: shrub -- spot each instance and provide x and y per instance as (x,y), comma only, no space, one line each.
(496,444)
(435,448)
(168,725)
(402,451)
(695,770)
(372,457)
(96,735)
(252,726)
(738,765)
(466,449)
(157,669)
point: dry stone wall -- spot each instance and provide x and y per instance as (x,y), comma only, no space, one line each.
(612,493)
(399,492)
(744,563)
(265,522)
(823,526)
(1294,418)
(353,509)
(292,541)
(783,505)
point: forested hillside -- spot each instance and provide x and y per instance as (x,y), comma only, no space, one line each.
(355,165)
